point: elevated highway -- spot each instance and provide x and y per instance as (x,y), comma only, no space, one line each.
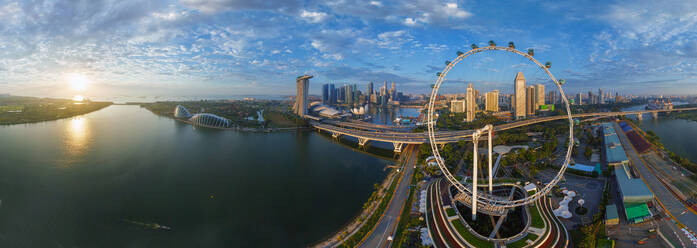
(366,132)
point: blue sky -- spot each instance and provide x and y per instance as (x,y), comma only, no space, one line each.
(228,47)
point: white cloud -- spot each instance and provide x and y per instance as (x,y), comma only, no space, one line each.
(409,13)
(313,17)
(409,21)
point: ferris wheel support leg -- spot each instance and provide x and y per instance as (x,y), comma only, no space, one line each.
(490,155)
(475,158)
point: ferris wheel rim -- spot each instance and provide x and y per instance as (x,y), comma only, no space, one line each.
(483,198)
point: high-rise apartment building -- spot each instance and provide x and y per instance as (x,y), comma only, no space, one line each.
(530,101)
(302,85)
(471,104)
(492,101)
(457,106)
(519,96)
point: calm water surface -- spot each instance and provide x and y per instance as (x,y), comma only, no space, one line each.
(101,180)
(386,116)
(678,135)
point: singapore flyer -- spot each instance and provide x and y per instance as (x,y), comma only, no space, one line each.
(472,188)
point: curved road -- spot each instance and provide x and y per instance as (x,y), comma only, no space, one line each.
(387,225)
(386,135)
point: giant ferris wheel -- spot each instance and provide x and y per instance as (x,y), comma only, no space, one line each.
(483,199)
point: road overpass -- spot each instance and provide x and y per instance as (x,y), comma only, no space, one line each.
(373,132)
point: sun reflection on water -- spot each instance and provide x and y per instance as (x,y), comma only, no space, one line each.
(76,140)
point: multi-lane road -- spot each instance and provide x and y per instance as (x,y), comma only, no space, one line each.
(383,232)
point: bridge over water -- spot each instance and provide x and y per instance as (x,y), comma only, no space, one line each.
(399,136)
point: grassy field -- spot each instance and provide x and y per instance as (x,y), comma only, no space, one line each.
(464,232)
(450,212)
(521,243)
(20,109)
(536,218)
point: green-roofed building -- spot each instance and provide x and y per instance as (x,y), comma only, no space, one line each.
(637,213)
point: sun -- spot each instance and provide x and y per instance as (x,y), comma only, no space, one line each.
(78,98)
(78,82)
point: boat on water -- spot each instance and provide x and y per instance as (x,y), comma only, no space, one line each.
(153,226)
(659,104)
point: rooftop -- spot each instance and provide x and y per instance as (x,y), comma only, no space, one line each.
(613,148)
(611,212)
(633,190)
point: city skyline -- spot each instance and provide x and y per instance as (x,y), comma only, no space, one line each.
(190,47)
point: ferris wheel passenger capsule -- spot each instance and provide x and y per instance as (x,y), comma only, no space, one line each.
(474,46)
(492,43)
(511,45)
(438,74)
(548,64)
(459,53)
(562,81)
(447,62)
(531,52)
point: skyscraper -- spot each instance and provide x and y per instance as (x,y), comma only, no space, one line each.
(492,101)
(519,96)
(349,94)
(302,85)
(325,93)
(539,96)
(552,97)
(471,104)
(393,92)
(579,98)
(332,94)
(369,91)
(530,101)
(601,96)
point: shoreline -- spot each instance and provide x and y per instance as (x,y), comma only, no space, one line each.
(237,128)
(56,119)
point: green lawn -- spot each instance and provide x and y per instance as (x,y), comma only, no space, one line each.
(450,212)
(605,243)
(470,237)
(536,218)
(521,243)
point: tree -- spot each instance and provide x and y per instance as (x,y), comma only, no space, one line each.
(588,152)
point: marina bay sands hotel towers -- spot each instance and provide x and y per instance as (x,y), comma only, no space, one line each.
(302,84)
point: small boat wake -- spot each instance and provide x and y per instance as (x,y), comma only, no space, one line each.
(153,226)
